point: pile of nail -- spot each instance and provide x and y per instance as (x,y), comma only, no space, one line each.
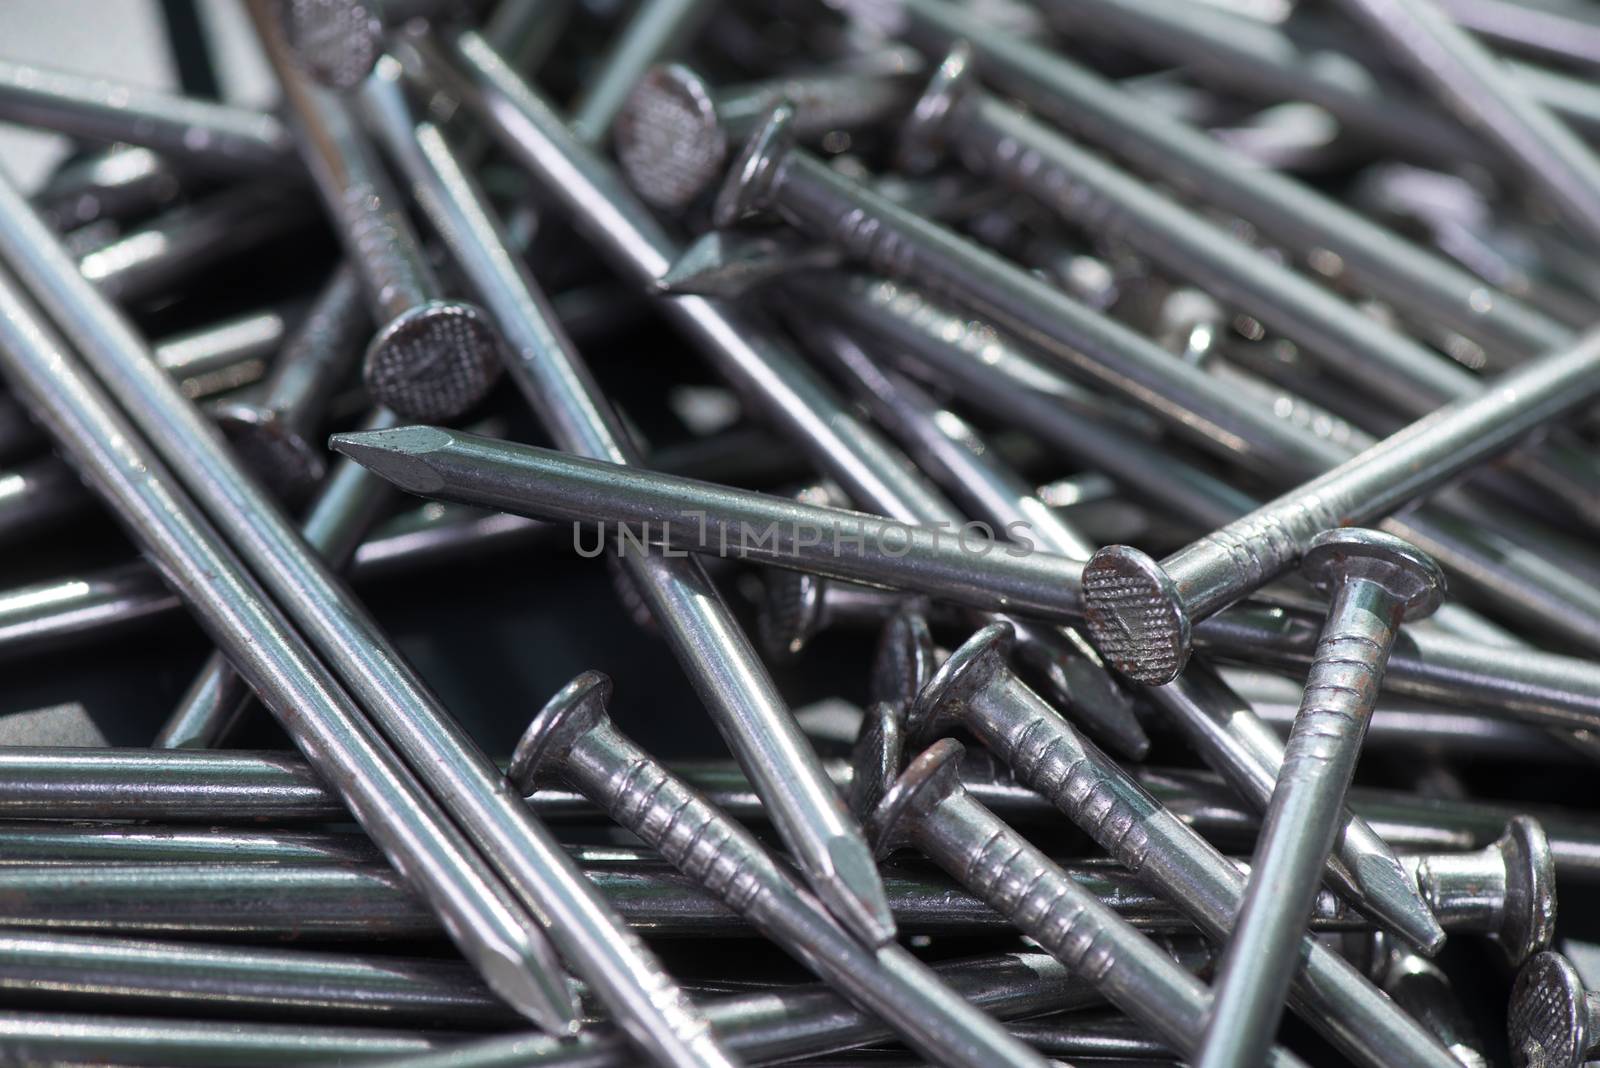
(1047,443)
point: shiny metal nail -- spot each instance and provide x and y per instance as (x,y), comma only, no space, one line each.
(655,29)
(1374,582)
(723,667)
(432,357)
(494,932)
(1553,1019)
(121,183)
(207,135)
(575,740)
(339,41)
(928,808)
(1141,612)
(1564,33)
(674,133)
(978,690)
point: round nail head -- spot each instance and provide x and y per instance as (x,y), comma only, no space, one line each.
(933,776)
(1529,919)
(338,42)
(744,192)
(669,139)
(1135,615)
(791,613)
(1546,1020)
(968,670)
(877,757)
(433,362)
(922,136)
(1344,554)
(575,710)
(278,454)
(905,661)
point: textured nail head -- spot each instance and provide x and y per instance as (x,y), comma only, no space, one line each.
(744,193)
(791,613)
(668,138)
(905,661)
(287,461)
(1529,922)
(434,361)
(1135,615)
(1335,557)
(575,710)
(933,776)
(338,42)
(1548,1020)
(969,669)
(922,140)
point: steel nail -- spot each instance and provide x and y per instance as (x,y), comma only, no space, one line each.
(723,667)
(656,29)
(1332,237)
(573,738)
(1553,1019)
(494,932)
(120,183)
(673,106)
(1373,582)
(1569,33)
(928,808)
(432,358)
(1472,81)
(339,41)
(275,434)
(975,688)
(1141,612)
(207,135)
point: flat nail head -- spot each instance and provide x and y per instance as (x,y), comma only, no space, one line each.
(284,459)
(876,759)
(1548,1015)
(1135,615)
(744,193)
(933,776)
(668,137)
(434,361)
(969,669)
(1530,907)
(338,42)
(791,613)
(576,709)
(922,141)
(906,659)
(1409,574)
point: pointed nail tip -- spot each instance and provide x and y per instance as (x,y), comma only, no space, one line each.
(394,458)
(854,892)
(1394,893)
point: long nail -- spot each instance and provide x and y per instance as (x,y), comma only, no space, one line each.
(1473,82)
(725,669)
(208,135)
(495,933)
(1374,582)
(975,688)
(927,807)
(1289,211)
(1141,612)
(574,739)
(432,358)
(672,99)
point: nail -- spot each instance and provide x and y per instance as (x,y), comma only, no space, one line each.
(1556,32)
(656,29)
(1141,612)
(674,106)
(928,808)
(797,607)
(275,435)
(1286,210)
(1553,1019)
(89,972)
(1088,192)
(727,264)
(210,136)
(1373,582)
(574,739)
(1518,870)
(337,42)
(120,183)
(976,689)
(723,666)
(494,933)
(1472,82)
(432,357)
